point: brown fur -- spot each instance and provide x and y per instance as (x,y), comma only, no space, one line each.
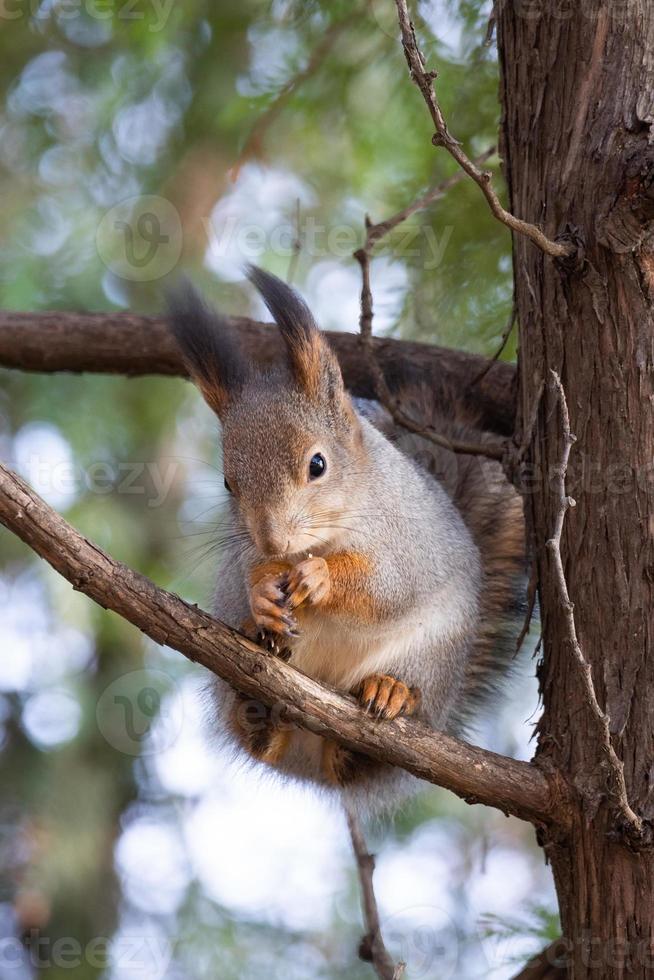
(493,512)
(341,767)
(252,724)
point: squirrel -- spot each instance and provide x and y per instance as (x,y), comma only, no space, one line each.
(373,560)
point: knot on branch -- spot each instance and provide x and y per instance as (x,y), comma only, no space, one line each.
(636,836)
(573,262)
(365,948)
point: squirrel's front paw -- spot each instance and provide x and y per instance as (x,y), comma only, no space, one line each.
(269,605)
(308,582)
(386,697)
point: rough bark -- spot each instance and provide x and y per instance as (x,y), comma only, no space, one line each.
(578,104)
(476,775)
(124,343)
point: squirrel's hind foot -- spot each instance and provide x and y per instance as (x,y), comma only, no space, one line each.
(387,697)
(262,736)
(341,767)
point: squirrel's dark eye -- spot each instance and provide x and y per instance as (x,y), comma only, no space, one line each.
(317,466)
(227,486)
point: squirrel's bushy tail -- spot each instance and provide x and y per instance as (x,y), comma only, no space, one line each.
(493,512)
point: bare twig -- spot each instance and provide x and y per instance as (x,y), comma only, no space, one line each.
(297,244)
(505,337)
(617,786)
(531,603)
(516,452)
(372,948)
(442,137)
(473,773)
(491,27)
(494,449)
(530,428)
(374,232)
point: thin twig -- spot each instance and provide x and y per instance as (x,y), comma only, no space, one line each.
(442,137)
(297,244)
(491,27)
(374,232)
(516,453)
(372,949)
(531,604)
(530,428)
(505,338)
(495,449)
(617,786)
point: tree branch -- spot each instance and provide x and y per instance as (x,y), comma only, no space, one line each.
(125,343)
(372,948)
(506,333)
(474,774)
(635,827)
(424,80)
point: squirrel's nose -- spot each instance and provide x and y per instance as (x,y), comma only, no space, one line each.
(272,539)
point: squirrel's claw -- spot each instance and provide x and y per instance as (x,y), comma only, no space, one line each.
(270,611)
(386,697)
(271,643)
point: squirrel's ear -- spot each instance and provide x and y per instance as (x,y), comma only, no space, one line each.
(313,362)
(208,345)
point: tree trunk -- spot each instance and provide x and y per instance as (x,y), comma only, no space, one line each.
(577,88)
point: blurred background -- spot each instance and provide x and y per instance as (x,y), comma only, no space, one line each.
(138,139)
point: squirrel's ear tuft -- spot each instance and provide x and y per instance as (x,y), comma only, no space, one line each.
(208,345)
(313,362)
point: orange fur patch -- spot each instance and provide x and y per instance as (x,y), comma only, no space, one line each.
(348,571)
(307,355)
